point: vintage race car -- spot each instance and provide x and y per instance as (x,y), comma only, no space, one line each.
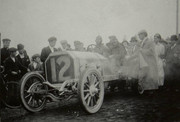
(68,74)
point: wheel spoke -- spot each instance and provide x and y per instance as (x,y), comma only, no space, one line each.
(87,85)
(89,99)
(87,90)
(87,95)
(92,101)
(27,95)
(96,84)
(96,95)
(30,100)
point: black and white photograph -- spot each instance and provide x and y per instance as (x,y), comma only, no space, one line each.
(89,60)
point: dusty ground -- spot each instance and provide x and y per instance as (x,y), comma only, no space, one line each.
(117,106)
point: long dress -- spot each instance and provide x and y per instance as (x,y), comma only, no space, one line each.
(160,51)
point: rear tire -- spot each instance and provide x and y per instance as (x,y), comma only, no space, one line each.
(11,98)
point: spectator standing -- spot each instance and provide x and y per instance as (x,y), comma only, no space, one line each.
(5,50)
(159,53)
(49,49)
(13,67)
(22,57)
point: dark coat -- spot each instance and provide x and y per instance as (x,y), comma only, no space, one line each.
(24,61)
(39,67)
(4,54)
(172,67)
(171,55)
(10,66)
(45,53)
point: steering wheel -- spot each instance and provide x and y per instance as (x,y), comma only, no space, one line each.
(91,48)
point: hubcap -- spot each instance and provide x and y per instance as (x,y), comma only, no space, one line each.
(93,90)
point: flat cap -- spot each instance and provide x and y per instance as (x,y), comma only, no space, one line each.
(35,56)
(113,37)
(133,39)
(143,32)
(12,49)
(52,39)
(63,42)
(77,42)
(5,40)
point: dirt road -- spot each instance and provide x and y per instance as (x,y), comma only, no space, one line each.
(117,106)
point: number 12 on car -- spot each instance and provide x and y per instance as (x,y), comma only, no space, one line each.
(60,68)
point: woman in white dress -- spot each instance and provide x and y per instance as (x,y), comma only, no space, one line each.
(159,52)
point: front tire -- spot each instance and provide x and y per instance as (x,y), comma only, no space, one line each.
(32,92)
(91,91)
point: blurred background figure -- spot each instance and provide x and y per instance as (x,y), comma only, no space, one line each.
(79,46)
(117,50)
(65,45)
(127,47)
(149,73)
(36,64)
(130,68)
(172,67)
(100,47)
(5,50)
(160,55)
(22,57)
(49,49)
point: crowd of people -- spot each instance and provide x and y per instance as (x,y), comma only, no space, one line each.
(149,60)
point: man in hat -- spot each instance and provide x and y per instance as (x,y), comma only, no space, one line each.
(22,57)
(36,64)
(49,49)
(5,50)
(148,77)
(100,48)
(13,68)
(160,55)
(65,45)
(79,46)
(117,50)
(172,63)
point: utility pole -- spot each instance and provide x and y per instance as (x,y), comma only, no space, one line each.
(177,17)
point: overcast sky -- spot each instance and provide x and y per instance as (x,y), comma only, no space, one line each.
(32,22)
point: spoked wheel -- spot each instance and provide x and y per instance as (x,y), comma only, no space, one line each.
(91,47)
(11,98)
(91,91)
(33,92)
